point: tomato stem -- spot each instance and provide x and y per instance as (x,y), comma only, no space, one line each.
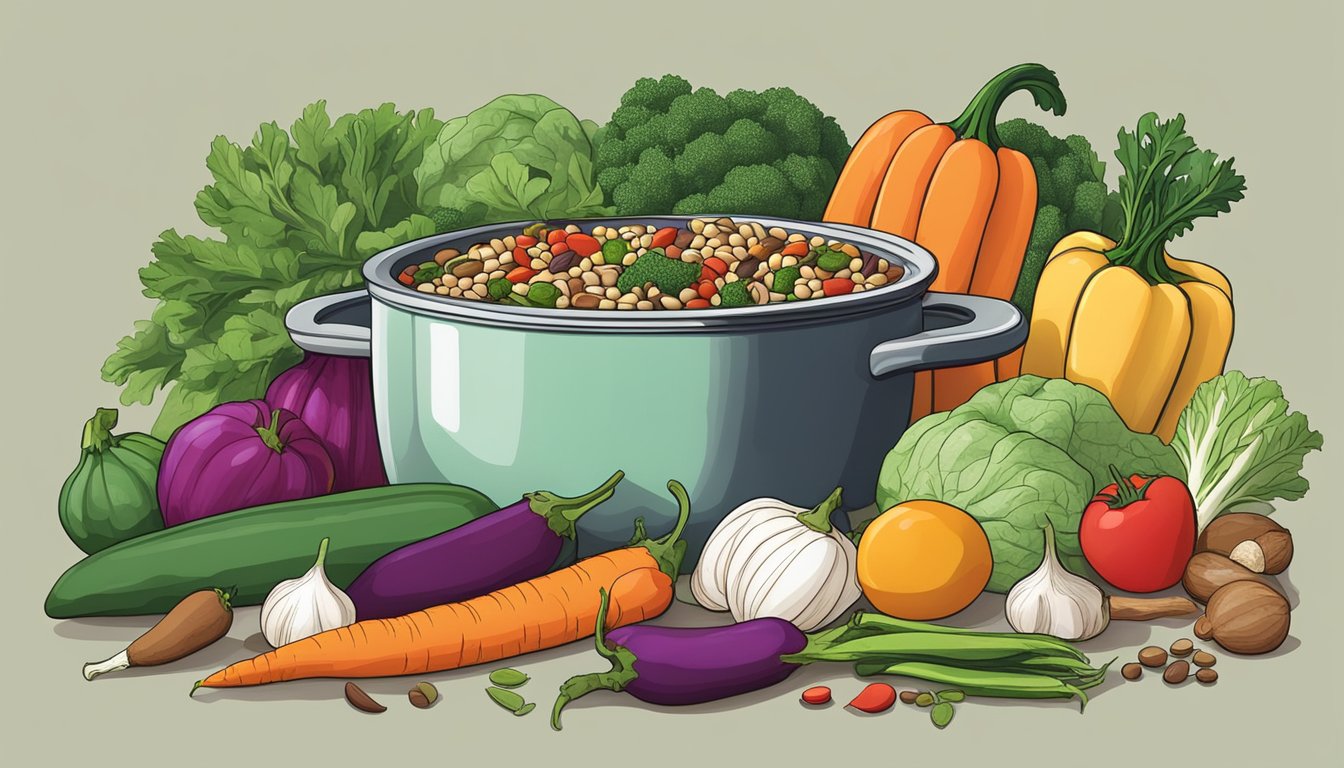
(1125,492)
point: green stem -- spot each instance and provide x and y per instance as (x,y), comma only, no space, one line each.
(98,430)
(819,517)
(270,433)
(561,513)
(621,674)
(322,552)
(981,116)
(669,550)
(1125,492)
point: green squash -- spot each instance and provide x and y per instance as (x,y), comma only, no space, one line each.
(112,495)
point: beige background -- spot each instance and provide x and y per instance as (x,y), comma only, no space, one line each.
(107,116)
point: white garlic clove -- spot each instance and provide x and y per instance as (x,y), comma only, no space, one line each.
(709,580)
(306,606)
(1053,601)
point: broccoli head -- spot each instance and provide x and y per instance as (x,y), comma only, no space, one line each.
(735,295)
(1071,195)
(784,280)
(449,219)
(669,147)
(671,276)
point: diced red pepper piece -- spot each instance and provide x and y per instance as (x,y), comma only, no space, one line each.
(556,236)
(707,274)
(559,248)
(520,274)
(698,304)
(798,248)
(584,245)
(719,266)
(405,279)
(817,695)
(706,289)
(837,286)
(673,252)
(526,241)
(521,256)
(877,697)
(664,237)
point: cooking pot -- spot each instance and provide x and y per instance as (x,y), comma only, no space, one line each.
(786,400)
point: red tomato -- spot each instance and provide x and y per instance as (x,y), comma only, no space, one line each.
(1139,540)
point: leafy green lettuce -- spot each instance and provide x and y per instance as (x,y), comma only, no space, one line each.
(1240,445)
(520,156)
(1016,456)
(299,212)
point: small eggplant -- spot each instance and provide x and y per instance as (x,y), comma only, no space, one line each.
(522,541)
(690,665)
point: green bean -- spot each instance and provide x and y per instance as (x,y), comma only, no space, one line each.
(975,682)
(948,646)
(873,622)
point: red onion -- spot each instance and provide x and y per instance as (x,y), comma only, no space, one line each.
(334,396)
(240,455)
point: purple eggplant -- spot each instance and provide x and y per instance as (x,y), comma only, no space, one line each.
(522,541)
(334,396)
(688,665)
(238,455)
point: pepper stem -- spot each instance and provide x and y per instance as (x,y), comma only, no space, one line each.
(669,550)
(562,513)
(981,116)
(621,674)
(98,430)
(270,433)
(819,517)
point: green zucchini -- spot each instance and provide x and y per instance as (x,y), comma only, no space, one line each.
(250,550)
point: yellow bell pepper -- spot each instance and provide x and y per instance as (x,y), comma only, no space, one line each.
(1125,318)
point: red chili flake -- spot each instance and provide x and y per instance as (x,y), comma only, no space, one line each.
(877,697)
(556,236)
(817,695)
(584,245)
(405,279)
(520,275)
(698,304)
(719,266)
(837,286)
(706,289)
(526,241)
(563,247)
(664,237)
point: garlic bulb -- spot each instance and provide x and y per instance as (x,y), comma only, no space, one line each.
(1054,601)
(770,558)
(305,606)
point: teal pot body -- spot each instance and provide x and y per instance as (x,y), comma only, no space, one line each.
(783,400)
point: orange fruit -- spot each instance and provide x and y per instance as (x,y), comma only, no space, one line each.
(923,560)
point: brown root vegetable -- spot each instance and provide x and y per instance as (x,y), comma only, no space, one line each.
(1207,571)
(1253,541)
(1245,617)
(1148,608)
(198,620)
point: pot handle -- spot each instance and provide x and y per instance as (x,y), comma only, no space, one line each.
(961,330)
(335,324)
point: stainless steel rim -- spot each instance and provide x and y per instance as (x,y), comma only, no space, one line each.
(920,269)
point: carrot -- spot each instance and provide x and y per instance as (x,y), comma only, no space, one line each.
(907,179)
(856,190)
(545,612)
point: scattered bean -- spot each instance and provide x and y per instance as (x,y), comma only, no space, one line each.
(1207,676)
(1177,672)
(1182,647)
(1204,659)
(1152,656)
(361,700)
(1132,671)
